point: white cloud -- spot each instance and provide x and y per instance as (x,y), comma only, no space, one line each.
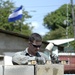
(38,28)
(35,24)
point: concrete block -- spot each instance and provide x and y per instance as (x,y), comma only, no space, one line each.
(52,69)
(18,70)
(1,70)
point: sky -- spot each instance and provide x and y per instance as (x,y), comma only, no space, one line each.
(38,9)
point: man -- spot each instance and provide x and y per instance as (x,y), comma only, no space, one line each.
(31,52)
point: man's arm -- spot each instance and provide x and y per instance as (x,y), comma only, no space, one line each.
(19,58)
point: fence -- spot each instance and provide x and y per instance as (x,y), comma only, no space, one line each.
(31,70)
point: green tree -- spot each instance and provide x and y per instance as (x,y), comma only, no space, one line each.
(55,34)
(56,19)
(6,8)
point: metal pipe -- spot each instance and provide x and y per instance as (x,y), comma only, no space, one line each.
(73,17)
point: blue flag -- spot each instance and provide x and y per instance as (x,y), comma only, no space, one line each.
(16,15)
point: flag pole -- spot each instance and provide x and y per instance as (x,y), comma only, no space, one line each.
(73,16)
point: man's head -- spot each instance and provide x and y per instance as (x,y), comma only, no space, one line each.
(35,42)
(36,37)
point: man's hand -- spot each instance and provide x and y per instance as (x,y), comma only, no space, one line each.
(40,60)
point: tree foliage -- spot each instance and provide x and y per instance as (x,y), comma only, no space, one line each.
(56,19)
(55,34)
(6,8)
